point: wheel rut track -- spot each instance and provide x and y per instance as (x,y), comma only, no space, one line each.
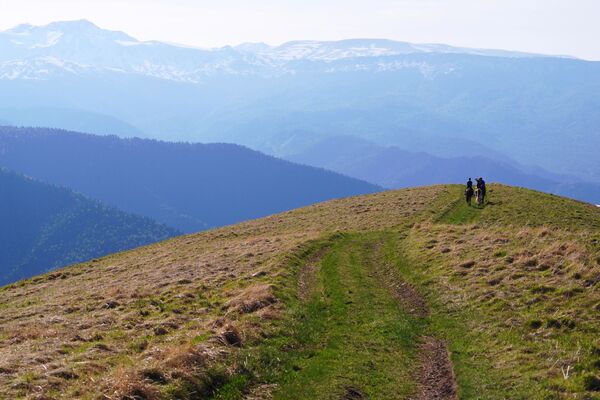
(435,374)
(307,278)
(409,298)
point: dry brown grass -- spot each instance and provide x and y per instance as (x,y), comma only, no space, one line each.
(117,325)
(129,384)
(252,299)
(185,357)
(134,308)
(529,292)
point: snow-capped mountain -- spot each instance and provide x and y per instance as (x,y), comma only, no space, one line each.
(74,47)
(442,100)
(356,48)
(34,52)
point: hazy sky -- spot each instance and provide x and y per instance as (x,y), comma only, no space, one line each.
(545,26)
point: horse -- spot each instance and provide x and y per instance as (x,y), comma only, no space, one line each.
(469,195)
(479,196)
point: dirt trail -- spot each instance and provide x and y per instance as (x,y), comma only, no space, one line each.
(435,375)
(409,298)
(308,273)
(355,334)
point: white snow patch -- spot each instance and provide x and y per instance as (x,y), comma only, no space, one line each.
(128,43)
(51,39)
(38,68)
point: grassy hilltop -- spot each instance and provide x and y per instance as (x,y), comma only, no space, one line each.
(407,294)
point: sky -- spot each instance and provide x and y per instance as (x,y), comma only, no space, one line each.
(562,27)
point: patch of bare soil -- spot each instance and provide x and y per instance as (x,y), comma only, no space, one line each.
(436,376)
(308,273)
(353,393)
(409,298)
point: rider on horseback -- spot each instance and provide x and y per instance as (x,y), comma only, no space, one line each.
(469,191)
(481,190)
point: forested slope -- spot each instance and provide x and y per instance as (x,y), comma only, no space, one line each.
(186,186)
(44,227)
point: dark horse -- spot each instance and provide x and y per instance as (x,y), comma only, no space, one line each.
(469,195)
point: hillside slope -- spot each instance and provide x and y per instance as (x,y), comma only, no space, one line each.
(187,186)
(44,227)
(399,295)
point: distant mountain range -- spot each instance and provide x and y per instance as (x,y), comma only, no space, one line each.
(45,227)
(80,47)
(394,168)
(186,186)
(441,100)
(71,119)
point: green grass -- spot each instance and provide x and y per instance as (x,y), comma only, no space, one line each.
(521,207)
(512,324)
(477,379)
(350,333)
(460,213)
(354,334)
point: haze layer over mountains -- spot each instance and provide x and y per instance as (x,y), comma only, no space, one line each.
(189,187)
(536,114)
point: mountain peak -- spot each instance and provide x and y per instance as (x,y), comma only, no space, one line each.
(72,25)
(80,28)
(80,24)
(19,29)
(252,47)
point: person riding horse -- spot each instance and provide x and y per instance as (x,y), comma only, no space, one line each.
(469,191)
(480,191)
